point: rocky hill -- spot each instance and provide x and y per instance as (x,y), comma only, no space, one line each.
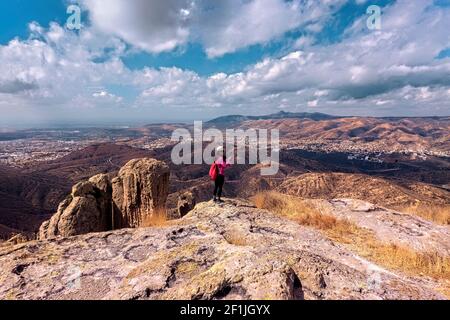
(233,120)
(105,203)
(416,133)
(358,186)
(229,251)
(29,196)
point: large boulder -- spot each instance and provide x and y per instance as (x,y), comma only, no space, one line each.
(140,190)
(87,209)
(97,205)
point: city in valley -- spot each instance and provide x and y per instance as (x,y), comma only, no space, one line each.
(27,147)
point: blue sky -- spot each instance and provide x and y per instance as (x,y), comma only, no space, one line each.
(141,60)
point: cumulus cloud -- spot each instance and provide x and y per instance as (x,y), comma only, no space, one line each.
(16,86)
(221,26)
(358,69)
(54,72)
(231,25)
(154,26)
(390,71)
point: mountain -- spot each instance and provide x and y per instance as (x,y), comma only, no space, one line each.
(418,133)
(392,132)
(274,245)
(29,196)
(406,173)
(315,116)
(232,120)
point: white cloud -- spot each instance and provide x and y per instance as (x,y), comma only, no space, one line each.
(313,103)
(237,24)
(52,74)
(154,26)
(355,71)
(391,71)
(221,26)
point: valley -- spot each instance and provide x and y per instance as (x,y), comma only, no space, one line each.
(414,169)
(334,223)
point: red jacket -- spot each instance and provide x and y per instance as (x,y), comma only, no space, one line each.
(222,165)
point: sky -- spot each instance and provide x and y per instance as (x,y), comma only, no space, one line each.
(144,61)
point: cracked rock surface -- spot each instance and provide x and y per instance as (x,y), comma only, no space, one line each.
(228,251)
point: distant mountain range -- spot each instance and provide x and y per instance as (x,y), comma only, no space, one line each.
(235,119)
(231,120)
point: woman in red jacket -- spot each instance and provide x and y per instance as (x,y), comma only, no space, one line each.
(221,164)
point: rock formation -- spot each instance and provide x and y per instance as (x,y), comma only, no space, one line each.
(186,203)
(229,251)
(87,209)
(101,205)
(140,189)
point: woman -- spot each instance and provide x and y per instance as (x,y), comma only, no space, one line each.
(221,164)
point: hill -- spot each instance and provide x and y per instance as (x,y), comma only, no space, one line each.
(26,199)
(420,133)
(94,159)
(233,120)
(388,193)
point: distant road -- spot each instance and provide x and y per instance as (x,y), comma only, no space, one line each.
(382,170)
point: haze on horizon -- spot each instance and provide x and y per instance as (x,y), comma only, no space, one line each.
(139,61)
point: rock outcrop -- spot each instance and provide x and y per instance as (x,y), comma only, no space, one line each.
(100,204)
(140,189)
(186,203)
(229,251)
(87,209)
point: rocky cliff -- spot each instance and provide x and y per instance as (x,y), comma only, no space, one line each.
(103,204)
(140,189)
(229,251)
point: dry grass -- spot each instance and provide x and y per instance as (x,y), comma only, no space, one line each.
(416,263)
(360,240)
(156,219)
(436,213)
(300,212)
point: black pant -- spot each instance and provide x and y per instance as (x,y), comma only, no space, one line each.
(218,185)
